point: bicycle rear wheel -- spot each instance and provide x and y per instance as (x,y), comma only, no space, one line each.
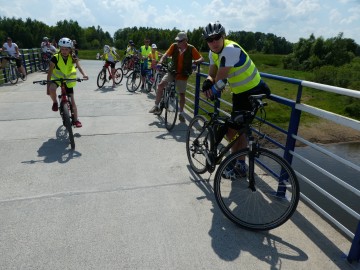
(171,110)
(68,123)
(133,81)
(199,142)
(118,76)
(272,201)
(12,75)
(101,79)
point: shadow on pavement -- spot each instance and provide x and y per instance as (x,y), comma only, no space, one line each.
(56,150)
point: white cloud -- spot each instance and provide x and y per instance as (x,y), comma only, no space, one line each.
(291,19)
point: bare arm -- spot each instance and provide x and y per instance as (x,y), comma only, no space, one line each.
(81,70)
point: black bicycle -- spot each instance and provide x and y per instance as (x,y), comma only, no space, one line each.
(12,72)
(65,108)
(133,80)
(254,187)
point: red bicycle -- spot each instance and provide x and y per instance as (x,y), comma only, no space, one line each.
(102,77)
(129,63)
(65,108)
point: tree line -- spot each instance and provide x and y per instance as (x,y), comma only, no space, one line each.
(321,56)
(29,34)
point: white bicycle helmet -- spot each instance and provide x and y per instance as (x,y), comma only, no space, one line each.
(106,49)
(213,29)
(65,42)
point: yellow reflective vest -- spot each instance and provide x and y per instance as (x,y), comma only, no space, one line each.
(65,71)
(241,78)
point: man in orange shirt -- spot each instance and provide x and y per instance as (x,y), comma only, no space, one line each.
(182,54)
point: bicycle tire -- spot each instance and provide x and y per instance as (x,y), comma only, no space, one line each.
(68,123)
(198,140)
(101,78)
(118,76)
(12,75)
(133,81)
(171,110)
(124,66)
(265,208)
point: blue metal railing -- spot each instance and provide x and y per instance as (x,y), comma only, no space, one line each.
(297,108)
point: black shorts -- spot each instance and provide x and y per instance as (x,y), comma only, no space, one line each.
(111,64)
(241,101)
(69,90)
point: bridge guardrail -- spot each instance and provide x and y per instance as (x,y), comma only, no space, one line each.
(31,59)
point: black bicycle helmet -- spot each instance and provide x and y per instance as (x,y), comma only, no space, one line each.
(213,29)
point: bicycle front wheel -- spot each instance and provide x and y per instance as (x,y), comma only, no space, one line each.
(199,142)
(68,123)
(12,75)
(118,76)
(125,66)
(273,198)
(171,110)
(101,79)
(133,81)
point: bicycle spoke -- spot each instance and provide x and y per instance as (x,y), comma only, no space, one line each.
(270,203)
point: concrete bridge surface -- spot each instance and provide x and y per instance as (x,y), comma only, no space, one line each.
(126,197)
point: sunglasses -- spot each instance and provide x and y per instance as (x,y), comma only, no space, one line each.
(211,39)
(180,40)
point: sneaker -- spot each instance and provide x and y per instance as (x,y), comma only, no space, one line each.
(155,110)
(77,124)
(55,107)
(235,172)
(181,118)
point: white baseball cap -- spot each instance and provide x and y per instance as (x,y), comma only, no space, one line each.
(154,46)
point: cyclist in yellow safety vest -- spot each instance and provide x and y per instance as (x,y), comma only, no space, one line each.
(229,63)
(145,50)
(130,49)
(153,58)
(110,55)
(62,65)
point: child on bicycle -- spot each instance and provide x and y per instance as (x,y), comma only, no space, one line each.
(62,65)
(110,55)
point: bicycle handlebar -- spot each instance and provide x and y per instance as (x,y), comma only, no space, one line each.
(44,82)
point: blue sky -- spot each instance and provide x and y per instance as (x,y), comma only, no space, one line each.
(291,19)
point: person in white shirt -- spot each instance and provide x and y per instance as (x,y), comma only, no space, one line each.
(13,50)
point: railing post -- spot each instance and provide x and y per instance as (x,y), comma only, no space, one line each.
(293,128)
(354,254)
(197,92)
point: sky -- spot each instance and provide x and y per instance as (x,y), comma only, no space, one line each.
(291,19)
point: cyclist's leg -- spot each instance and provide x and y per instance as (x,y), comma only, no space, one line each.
(74,108)
(112,65)
(181,89)
(160,89)
(143,74)
(240,102)
(20,67)
(52,94)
